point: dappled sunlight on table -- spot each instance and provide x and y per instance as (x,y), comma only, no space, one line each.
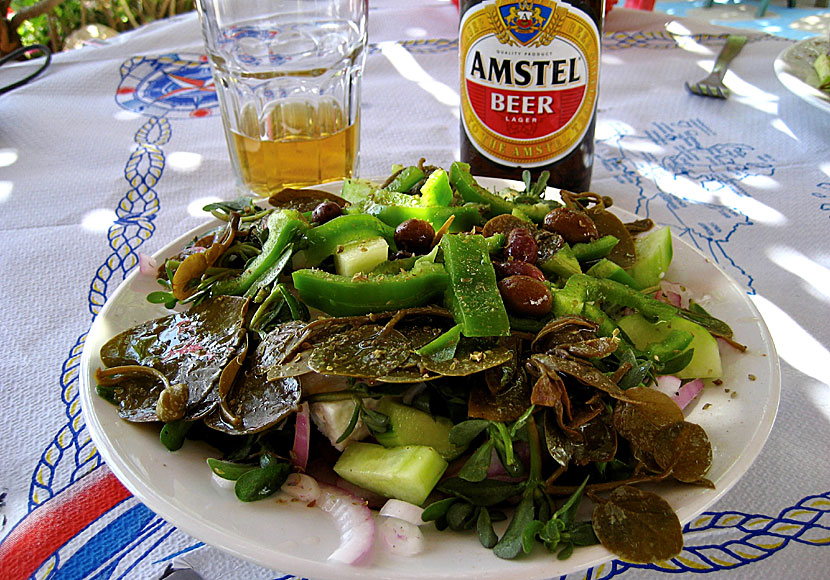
(98,220)
(818,23)
(795,345)
(184,161)
(194,208)
(815,277)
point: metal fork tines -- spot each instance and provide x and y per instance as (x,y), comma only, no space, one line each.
(712,86)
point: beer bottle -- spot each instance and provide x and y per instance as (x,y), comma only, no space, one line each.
(529,81)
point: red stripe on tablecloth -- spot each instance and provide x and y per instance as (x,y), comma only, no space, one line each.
(50,526)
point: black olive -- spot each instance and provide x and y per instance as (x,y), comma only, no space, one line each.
(574,226)
(521,246)
(414,236)
(325,211)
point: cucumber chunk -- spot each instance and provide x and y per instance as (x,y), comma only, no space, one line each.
(705,363)
(407,473)
(822,68)
(409,426)
(654,255)
(360,256)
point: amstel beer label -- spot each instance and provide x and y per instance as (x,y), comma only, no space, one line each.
(529,74)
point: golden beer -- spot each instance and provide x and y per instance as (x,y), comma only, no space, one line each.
(296,144)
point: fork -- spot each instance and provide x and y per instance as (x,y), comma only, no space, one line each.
(712,86)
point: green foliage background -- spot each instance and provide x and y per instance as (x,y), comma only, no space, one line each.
(52,29)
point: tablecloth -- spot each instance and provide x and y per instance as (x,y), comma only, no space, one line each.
(96,167)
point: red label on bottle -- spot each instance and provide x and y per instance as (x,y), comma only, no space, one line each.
(524,114)
(529,73)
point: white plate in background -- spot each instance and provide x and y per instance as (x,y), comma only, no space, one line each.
(794,69)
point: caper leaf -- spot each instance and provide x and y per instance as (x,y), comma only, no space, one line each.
(471,356)
(460,515)
(476,467)
(685,449)
(640,421)
(228,469)
(486,493)
(510,544)
(173,434)
(463,433)
(437,509)
(639,526)
(365,351)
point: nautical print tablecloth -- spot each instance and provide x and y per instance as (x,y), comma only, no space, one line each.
(115,148)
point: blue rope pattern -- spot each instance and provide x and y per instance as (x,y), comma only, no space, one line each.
(136,210)
(133,226)
(742,539)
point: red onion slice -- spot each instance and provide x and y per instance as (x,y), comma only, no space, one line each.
(370,498)
(403,510)
(147,265)
(669,297)
(354,522)
(497,470)
(401,537)
(688,392)
(302,437)
(676,294)
(682,394)
(668,385)
(301,487)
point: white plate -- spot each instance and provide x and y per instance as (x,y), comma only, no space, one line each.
(737,416)
(794,68)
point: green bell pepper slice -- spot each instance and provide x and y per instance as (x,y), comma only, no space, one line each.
(442,347)
(607,327)
(356,191)
(357,295)
(671,346)
(362,194)
(324,239)
(594,250)
(581,289)
(472,295)
(469,190)
(466,217)
(436,190)
(406,179)
(393,208)
(563,263)
(581,292)
(282,226)
(605,268)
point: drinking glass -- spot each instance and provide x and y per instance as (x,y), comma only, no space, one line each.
(287,75)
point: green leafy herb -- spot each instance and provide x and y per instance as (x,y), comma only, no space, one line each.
(173,434)
(484,526)
(535,189)
(230,470)
(262,481)
(376,422)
